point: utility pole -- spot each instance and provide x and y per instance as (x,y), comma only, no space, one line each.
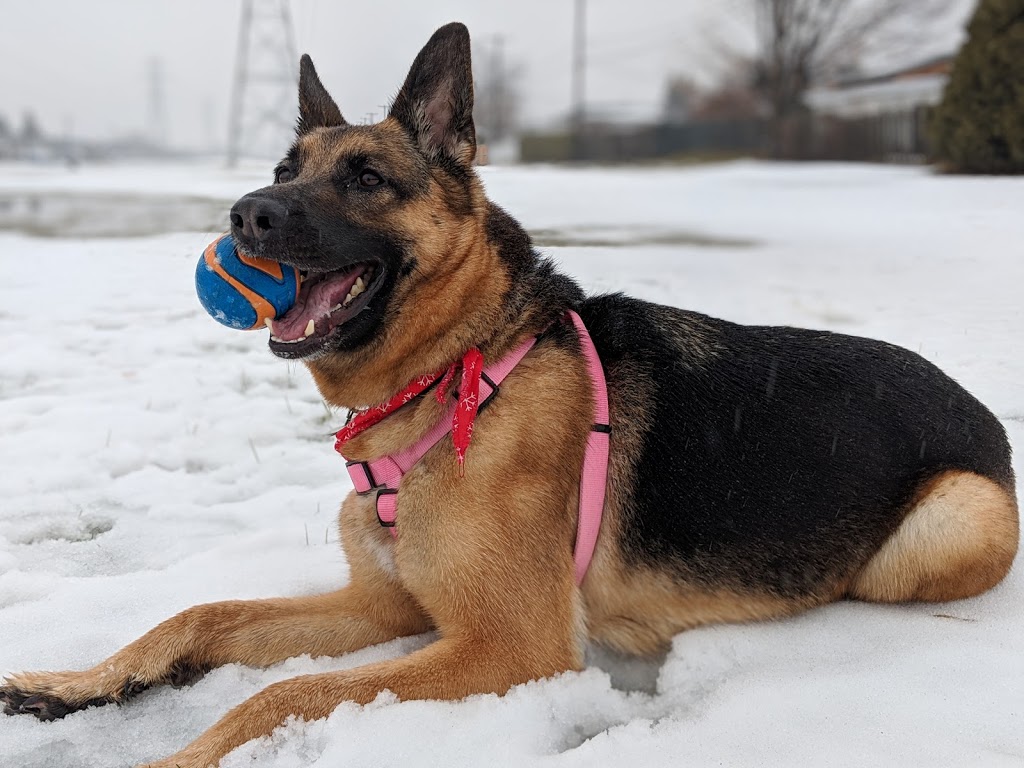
(264,93)
(209,127)
(579,64)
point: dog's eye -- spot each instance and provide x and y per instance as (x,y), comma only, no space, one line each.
(281,175)
(370,179)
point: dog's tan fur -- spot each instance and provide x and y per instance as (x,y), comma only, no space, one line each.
(959,540)
(486,560)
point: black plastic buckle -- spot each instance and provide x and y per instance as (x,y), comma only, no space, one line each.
(383,492)
(494,390)
(487,400)
(369,476)
(605,428)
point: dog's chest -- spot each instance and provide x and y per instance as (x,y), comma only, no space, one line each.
(363,538)
(383,552)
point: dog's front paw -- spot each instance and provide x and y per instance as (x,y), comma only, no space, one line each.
(40,706)
(52,695)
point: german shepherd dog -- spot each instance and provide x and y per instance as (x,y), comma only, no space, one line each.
(754,472)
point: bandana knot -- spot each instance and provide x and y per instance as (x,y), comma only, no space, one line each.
(464,415)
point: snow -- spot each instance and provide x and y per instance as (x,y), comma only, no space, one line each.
(154,460)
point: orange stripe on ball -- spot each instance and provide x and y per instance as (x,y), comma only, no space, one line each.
(266,266)
(264,309)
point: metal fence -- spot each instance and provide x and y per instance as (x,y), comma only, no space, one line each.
(892,137)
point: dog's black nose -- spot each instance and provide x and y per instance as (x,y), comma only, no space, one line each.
(256,218)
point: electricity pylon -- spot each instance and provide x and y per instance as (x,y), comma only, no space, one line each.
(264,94)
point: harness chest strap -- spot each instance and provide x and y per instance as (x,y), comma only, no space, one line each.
(382,476)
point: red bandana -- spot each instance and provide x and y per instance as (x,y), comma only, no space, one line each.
(462,420)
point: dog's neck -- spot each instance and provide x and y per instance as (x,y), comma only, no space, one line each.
(401,429)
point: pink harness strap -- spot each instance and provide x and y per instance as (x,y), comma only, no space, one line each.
(594,480)
(382,476)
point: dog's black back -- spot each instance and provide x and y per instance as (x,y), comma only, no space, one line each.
(778,457)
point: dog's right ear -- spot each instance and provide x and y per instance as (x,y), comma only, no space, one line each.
(316,107)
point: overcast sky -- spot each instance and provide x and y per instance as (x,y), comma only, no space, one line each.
(83,66)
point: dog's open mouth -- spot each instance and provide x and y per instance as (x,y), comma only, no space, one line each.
(326,301)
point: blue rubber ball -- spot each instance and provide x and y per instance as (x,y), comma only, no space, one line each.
(244,291)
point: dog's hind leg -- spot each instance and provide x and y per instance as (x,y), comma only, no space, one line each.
(255,633)
(958,540)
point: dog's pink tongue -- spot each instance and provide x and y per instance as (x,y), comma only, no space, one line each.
(315,302)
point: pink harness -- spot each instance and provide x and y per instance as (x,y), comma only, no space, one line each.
(382,476)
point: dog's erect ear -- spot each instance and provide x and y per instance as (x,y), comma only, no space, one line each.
(316,107)
(436,103)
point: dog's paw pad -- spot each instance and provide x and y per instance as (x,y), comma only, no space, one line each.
(41,707)
(12,700)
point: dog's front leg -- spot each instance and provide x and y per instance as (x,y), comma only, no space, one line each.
(491,564)
(448,669)
(251,632)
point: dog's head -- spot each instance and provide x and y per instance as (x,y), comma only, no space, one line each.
(382,220)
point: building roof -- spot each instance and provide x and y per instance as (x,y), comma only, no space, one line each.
(937,65)
(900,90)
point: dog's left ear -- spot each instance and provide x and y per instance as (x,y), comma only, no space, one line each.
(436,103)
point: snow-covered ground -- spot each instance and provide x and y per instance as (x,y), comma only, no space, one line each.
(153,460)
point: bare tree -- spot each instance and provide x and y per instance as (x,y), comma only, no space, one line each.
(496,93)
(30,130)
(800,43)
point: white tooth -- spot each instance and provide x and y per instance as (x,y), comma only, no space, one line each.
(351,295)
(274,338)
(360,284)
(309,329)
(336,307)
(270,323)
(301,338)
